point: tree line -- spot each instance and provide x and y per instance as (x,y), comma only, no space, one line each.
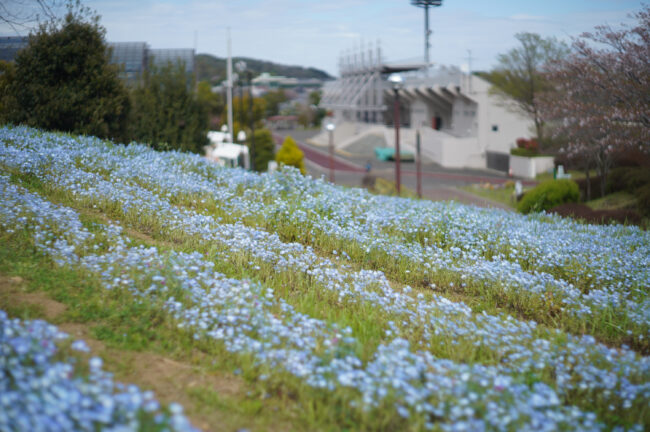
(63,81)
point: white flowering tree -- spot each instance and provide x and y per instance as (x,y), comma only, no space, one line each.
(601,99)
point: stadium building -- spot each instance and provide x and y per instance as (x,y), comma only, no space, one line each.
(461,123)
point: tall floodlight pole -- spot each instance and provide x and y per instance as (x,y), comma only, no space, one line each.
(229,95)
(426,4)
(397,82)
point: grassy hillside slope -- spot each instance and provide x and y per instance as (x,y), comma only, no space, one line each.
(277,301)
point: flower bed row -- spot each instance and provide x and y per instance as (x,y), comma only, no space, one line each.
(581,273)
(516,343)
(40,393)
(246,318)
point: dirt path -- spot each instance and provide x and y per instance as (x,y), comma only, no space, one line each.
(170,380)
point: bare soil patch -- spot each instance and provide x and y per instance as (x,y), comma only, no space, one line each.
(169,379)
(14,287)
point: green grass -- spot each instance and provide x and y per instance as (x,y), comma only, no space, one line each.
(310,298)
(504,194)
(123,325)
(615,201)
(575,175)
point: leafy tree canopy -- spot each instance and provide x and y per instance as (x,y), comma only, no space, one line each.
(167,112)
(520,77)
(264,149)
(601,94)
(63,80)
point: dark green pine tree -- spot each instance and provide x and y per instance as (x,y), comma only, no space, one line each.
(167,113)
(63,81)
(264,149)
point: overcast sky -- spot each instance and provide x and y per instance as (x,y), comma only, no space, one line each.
(315,32)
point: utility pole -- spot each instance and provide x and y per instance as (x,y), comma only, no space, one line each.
(469,73)
(249,74)
(397,83)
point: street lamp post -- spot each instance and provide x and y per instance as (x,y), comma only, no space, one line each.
(418,161)
(249,75)
(241,68)
(226,134)
(397,82)
(330,129)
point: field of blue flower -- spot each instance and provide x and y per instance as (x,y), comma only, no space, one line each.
(346,309)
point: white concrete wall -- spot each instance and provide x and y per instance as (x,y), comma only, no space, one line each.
(450,151)
(529,167)
(511,124)
(420,114)
(465,118)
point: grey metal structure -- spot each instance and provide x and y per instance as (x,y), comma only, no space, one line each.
(359,93)
(133,56)
(426,4)
(161,57)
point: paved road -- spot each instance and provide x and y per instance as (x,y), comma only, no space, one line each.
(321,158)
(438,183)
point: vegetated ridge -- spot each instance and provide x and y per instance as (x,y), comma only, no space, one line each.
(213,69)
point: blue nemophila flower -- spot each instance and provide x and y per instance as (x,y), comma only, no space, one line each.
(40,393)
(80,345)
(492,248)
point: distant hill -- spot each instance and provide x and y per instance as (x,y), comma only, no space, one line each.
(213,69)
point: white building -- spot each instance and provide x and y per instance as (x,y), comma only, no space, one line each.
(225,153)
(460,123)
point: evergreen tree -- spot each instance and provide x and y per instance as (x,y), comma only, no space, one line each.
(63,80)
(290,154)
(167,113)
(264,149)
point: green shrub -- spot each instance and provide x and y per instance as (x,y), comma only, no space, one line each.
(548,195)
(616,181)
(526,152)
(637,177)
(167,114)
(628,179)
(290,154)
(264,149)
(643,200)
(62,80)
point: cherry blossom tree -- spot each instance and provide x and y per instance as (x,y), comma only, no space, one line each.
(601,97)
